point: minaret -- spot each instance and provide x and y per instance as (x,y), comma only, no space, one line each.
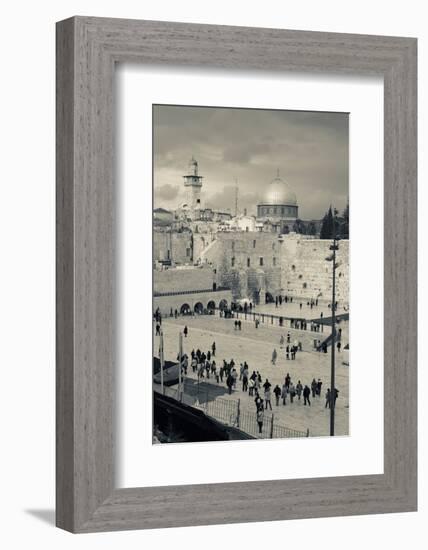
(193,184)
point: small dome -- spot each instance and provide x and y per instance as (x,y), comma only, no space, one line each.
(278,192)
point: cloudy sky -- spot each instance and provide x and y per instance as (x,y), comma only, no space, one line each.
(310,149)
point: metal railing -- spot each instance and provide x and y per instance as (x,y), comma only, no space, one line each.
(228,411)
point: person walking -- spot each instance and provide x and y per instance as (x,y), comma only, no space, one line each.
(292,391)
(339,345)
(213,348)
(245,380)
(277,393)
(241,370)
(235,378)
(328,398)
(319,386)
(284,394)
(281,341)
(314,387)
(287,381)
(229,383)
(251,387)
(287,352)
(258,401)
(336,395)
(274,356)
(306,395)
(260,416)
(288,338)
(185,331)
(268,398)
(157,329)
(299,389)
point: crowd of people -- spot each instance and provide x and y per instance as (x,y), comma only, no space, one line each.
(203,364)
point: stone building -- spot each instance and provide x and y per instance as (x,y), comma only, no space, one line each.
(172,247)
(278,208)
(193,185)
(188,289)
(246,262)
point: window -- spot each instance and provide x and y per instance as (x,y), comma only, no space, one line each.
(233,245)
(233,262)
(254,244)
(261,261)
(274,261)
(248,262)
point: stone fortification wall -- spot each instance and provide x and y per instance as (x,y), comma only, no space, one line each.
(183,279)
(307,274)
(174,246)
(254,264)
(246,262)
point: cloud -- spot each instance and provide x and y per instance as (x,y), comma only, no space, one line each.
(167,192)
(248,145)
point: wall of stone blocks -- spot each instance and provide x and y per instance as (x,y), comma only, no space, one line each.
(183,279)
(176,301)
(174,246)
(307,273)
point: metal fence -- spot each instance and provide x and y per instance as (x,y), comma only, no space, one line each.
(228,411)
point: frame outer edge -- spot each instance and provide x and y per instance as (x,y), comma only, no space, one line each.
(65,108)
(86,370)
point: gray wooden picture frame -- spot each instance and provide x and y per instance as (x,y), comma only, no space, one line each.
(87,51)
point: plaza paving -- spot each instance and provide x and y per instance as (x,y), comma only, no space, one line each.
(255,346)
(293,309)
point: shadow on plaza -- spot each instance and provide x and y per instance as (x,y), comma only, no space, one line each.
(203,391)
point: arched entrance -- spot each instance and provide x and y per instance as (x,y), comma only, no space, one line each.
(223,305)
(269,298)
(199,308)
(211,305)
(185,309)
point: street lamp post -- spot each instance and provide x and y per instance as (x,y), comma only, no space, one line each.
(333,341)
(334,247)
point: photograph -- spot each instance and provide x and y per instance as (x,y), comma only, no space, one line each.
(250,274)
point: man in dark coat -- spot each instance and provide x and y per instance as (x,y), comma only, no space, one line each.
(306,395)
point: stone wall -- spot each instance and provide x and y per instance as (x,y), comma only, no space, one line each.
(252,264)
(174,246)
(306,272)
(184,279)
(177,301)
(246,262)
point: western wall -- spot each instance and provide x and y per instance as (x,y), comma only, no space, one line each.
(258,265)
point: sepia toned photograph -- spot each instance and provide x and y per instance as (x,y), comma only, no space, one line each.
(250,274)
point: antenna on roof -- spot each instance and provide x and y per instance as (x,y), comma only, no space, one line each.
(236,197)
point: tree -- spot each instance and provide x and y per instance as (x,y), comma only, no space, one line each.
(327,225)
(345,224)
(312,230)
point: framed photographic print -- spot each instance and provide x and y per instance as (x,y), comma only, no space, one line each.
(236,274)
